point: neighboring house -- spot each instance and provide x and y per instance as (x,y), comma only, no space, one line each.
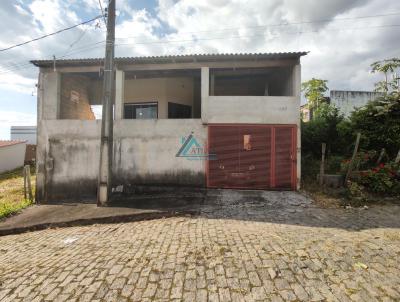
(306,113)
(216,121)
(347,101)
(12,154)
(25,133)
(28,134)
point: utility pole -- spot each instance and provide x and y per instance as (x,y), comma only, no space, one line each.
(106,140)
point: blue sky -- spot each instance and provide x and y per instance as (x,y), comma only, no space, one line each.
(344,37)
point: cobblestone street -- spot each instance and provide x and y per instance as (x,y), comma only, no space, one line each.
(279,246)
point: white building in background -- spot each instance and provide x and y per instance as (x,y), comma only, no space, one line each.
(12,155)
(24,133)
(347,101)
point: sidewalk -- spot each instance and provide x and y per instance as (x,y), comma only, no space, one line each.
(39,217)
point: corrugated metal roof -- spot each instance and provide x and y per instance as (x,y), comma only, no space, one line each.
(174,59)
(10,143)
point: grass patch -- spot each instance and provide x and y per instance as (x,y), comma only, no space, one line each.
(12,192)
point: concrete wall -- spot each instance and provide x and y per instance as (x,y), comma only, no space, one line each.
(347,101)
(161,90)
(71,155)
(253,110)
(12,157)
(24,133)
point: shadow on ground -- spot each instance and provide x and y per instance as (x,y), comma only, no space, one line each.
(290,208)
(264,206)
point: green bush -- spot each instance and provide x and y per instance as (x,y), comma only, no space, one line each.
(322,129)
(384,178)
(378,123)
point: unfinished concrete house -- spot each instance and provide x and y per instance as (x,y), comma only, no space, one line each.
(216,121)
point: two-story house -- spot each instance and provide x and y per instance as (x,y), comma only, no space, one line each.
(216,121)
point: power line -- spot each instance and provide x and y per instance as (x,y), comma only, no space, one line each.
(249,36)
(51,34)
(92,45)
(284,24)
(102,12)
(275,25)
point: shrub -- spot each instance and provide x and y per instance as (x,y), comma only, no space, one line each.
(379,124)
(384,178)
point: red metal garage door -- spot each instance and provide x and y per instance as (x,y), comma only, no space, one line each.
(252,156)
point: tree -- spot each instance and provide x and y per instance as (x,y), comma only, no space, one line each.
(389,68)
(323,128)
(379,124)
(314,90)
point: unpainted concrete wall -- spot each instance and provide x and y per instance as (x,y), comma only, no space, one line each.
(144,151)
(253,110)
(12,157)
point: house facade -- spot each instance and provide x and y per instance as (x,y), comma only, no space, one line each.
(217,121)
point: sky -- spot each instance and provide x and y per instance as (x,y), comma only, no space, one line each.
(343,37)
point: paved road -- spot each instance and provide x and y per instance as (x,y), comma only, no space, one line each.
(243,246)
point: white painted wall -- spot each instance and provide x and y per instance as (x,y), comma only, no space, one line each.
(347,101)
(12,157)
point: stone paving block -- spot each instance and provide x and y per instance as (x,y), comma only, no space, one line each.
(244,255)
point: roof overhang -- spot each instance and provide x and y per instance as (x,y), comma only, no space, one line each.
(196,58)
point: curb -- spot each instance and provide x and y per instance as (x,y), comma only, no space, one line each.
(96,220)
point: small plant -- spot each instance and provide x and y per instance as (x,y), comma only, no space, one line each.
(356,193)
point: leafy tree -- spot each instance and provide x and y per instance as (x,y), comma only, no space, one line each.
(323,128)
(388,68)
(379,124)
(314,90)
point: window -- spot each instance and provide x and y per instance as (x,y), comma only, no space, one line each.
(141,111)
(179,111)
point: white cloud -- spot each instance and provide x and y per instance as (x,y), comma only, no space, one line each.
(339,55)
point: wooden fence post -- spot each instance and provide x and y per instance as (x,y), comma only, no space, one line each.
(380,156)
(322,166)
(25,186)
(27,173)
(397,160)
(353,157)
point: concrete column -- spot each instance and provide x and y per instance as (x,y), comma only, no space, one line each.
(51,85)
(212,84)
(119,94)
(205,92)
(297,94)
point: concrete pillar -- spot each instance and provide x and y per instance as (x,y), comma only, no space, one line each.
(297,94)
(48,108)
(50,102)
(205,92)
(119,94)
(212,84)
